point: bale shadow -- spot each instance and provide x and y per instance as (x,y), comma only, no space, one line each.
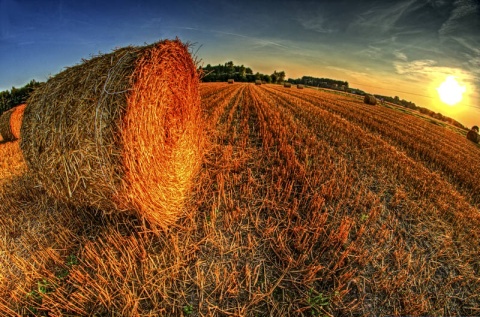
(27,211)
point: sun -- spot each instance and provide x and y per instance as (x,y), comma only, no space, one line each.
(450,91)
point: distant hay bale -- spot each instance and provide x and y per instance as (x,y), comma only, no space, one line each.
(300,86)
(16,120)
(287,85)
(120,131)
(231,81)
(370,100)
(5,129)
(10,123)
(258,82)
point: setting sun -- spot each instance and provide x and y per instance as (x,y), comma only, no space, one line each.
(450,91)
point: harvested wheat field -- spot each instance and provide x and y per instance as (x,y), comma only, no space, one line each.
(306,203)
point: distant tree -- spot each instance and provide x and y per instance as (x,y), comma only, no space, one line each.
(229,68)
(17,96)
(5,98)
(278,77)
(274,77)
(281,76)
(267,78)
(242,71)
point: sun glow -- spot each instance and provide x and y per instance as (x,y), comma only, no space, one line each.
(450,91)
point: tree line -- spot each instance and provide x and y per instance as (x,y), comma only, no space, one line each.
(321,82)
(239,73)
(16,96)
(343,86)
(222,73)
(410,105)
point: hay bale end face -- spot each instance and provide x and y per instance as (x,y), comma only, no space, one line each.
(370,100)
(5,130)
(121,131)
(11,122)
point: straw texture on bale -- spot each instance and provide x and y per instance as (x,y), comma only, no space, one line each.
(120,131)
(370,100)
(11,122)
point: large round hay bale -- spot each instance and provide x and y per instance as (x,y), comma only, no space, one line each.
(370,100)
(120,131)
(11,122)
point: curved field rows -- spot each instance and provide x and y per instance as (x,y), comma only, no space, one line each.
(439,149)
(307,204)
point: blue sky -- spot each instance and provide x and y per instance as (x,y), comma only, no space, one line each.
(404,48)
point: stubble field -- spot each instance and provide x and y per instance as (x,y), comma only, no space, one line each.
(308,203)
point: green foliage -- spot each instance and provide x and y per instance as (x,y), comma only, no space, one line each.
(239,74)
(44,287)
(363,217)
(34,295)
(62,274)
(319,302)
(320,82)
(188,309)
(16,96)
(71,260)
(278,77)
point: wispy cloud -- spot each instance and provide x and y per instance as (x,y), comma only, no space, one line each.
(417,67)
(355,74)
(399,55)
(464,10)
(371,52)
(381,18)
(259,42)
(317,24)
(428,70)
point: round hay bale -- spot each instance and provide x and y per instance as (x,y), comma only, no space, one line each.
(370,100)
(258,82)
(10,123)
(287,85)
(16,120)
(231,81)
(121,131)
(299,86)
(5,129)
